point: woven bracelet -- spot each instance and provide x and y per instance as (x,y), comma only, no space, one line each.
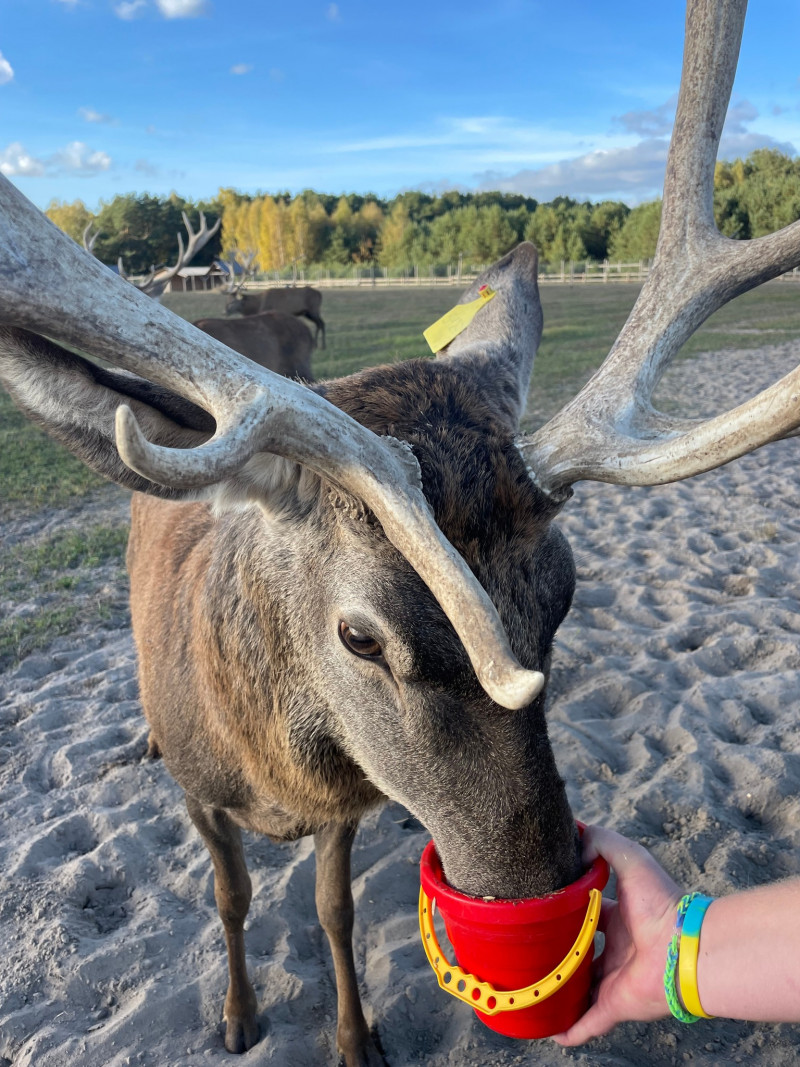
(670,990)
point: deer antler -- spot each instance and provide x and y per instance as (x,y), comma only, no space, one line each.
(141,286)
(247,262)
(255,411)
(157,280)
(89,242)
(610,432)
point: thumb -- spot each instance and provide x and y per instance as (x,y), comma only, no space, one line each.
(621,853)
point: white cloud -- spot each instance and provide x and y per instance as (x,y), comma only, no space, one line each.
(78,158)
(14,161)
(182,9)
(486,139)
(653,123)
(333,13)
(130,9)
(241,68)
(631,173)
(6,71)
(74,158)
(88,114)
(738,114)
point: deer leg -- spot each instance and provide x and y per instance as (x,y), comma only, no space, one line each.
(334,898)
(232,891)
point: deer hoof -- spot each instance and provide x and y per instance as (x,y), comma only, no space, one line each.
(241,1033)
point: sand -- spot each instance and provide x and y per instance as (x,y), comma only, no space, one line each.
(673,720)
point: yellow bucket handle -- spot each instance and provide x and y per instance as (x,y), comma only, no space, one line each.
(483,995)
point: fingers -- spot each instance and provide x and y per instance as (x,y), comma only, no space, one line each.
(594,1023)
(622,854)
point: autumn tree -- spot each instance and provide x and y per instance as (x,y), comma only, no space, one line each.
(71,218)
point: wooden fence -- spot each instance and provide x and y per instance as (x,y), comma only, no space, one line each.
(567,273)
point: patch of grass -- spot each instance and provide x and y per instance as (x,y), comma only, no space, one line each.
(20,637)
(54,603)
(44,562)
(35,471)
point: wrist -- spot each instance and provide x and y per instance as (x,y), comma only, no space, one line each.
(680,972)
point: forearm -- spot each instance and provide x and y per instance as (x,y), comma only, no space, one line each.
(748,964)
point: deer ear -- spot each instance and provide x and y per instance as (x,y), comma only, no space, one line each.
(498,346)
(76,401)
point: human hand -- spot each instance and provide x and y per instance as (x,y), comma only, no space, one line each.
(638,926)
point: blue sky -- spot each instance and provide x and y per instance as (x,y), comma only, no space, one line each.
(99,97)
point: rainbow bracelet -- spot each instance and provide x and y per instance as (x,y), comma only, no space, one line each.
(693,936)
(688,952)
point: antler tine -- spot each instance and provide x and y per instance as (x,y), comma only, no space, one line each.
(141,286)
(89,242)
(230,286)
(610,432)
(202,237)
(247,263)
(256,411)
(158,281)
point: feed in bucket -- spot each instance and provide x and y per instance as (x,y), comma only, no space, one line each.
(524,965)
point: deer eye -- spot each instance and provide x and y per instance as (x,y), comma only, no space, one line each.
(359,644)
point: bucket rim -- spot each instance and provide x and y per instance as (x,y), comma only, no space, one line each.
(456,905)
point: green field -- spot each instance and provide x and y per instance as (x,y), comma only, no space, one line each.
(369,326)
(76,578)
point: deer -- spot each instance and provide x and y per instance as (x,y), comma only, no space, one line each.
(279,342)
(301,300)
(349,591)
(156,282)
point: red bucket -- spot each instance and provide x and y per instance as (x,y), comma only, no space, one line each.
(536,951)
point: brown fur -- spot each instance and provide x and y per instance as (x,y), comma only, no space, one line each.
(297,300)
(274,340)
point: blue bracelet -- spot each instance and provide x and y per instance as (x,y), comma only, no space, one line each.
(670,990)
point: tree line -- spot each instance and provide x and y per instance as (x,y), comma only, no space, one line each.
(752,197)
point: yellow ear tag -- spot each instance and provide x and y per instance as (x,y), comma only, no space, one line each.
(455,321)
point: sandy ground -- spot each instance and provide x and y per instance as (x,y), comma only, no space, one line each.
(672,717)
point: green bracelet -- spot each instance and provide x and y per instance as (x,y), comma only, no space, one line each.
(671,993)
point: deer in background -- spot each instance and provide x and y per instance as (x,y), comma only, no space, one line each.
(348,592)
(157,280)
(281,343)
(302,300)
